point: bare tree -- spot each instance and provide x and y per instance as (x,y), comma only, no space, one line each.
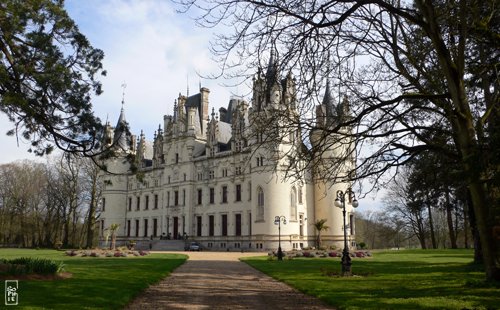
(402,205)
(93,192)
(378,230)
(405,67)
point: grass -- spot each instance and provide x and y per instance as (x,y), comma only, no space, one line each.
(412,279)
(97,283)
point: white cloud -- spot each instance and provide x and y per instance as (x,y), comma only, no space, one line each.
(154,50)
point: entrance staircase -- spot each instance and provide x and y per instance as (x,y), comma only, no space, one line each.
(160,245)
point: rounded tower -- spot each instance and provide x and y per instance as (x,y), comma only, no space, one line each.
(334,151)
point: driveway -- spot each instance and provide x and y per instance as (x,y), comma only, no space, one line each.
(218,280)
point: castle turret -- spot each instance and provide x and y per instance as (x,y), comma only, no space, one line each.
(122,137)
(331,168)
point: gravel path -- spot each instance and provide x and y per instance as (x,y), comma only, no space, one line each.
(218,280)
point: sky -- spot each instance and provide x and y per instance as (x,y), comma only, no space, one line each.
(153,50)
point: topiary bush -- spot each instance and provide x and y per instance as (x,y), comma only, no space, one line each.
(27,265)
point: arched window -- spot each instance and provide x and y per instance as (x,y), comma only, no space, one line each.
(293,204)
(260,204)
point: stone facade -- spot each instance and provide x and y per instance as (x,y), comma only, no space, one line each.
(214,178)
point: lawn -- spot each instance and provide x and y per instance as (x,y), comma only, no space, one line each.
(102,283)
(413,279)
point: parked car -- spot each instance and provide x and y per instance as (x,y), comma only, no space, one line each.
(194,247)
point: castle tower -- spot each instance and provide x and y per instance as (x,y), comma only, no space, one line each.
(331,168)
(116,182)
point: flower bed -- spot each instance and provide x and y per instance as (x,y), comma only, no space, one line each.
(320,253)
(121,252)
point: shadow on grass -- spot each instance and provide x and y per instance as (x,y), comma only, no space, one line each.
(107,283)
(424,282)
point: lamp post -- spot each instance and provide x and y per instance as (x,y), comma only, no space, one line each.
(340,203)
(277,221)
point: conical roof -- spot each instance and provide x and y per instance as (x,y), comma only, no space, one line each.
(328,101)
(121,136)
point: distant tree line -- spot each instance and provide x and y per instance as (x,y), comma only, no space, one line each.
(52,204)
(426,206)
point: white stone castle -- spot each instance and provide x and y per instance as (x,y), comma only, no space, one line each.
(215,179)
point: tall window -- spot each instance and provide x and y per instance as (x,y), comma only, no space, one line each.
(145,227)
(211,225)
(176,198)
(293,204)
(260,161)
(146,204)
(130,203)
(249,191)
(300,194)
(260,204)
(156,202)
(176,158)
(238,192)
(238,225)
(128,228)
(155,227)
(168,199)
(138,204)
(301,225)
(200,195)
(224,225)
(224,194)
(103,204)
(137,228)
(183,197)
(198,226)
(249,224)
(212,195)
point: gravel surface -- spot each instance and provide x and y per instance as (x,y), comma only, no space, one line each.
(218,280)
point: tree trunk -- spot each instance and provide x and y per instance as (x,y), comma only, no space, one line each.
(431,227)
(449,218)
(464,133)
(466,226)
(90,226)
(421,233)
(478,254)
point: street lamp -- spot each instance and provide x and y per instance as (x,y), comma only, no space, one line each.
(340,203)
(277,221)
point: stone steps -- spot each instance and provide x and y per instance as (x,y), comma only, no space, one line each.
(160,245)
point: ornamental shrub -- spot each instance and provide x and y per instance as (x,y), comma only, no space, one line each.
(34,265)
(333,254)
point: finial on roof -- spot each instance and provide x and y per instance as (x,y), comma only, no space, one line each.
(124,85)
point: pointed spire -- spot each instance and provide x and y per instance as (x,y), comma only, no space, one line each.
(175,110)
(271,67)
(328,100)
(120,136)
